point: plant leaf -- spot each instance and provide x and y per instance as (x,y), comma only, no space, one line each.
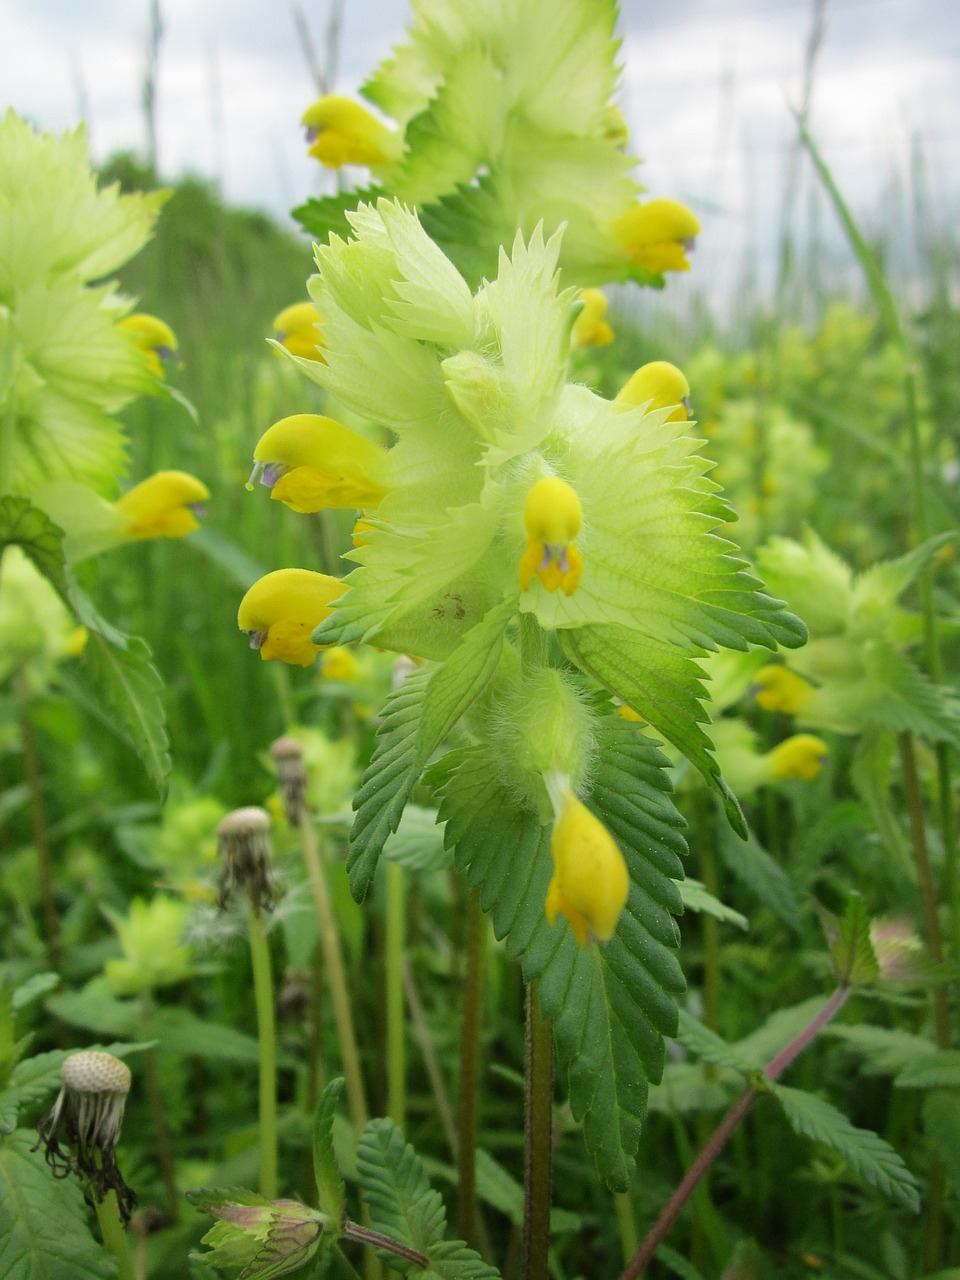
(387,781)
(756,870)
(696,898)
(940,1070)
(852,951)
(417,843)
(43,1229)
(612,1004)
(872,1159)
(26,526)
(661,684)
(331,1193)
(709,1047)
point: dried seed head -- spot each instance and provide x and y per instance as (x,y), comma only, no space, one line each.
(287,754)
(246,856)
(89,1111)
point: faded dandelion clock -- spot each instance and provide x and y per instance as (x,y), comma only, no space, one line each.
(246,857)
(287,756)
(87,1116)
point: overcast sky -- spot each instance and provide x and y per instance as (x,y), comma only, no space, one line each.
(706,90)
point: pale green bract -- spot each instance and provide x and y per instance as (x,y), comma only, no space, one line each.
(65,368)
(474,390)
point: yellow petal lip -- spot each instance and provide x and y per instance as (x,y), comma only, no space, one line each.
(281,610)
(777,688)
(590,883)
(662,384)
(165,505)
(153,337)
(590,328)
(552,516)
(299,329)
(801,756)
(310,463)
(341,131)
(657,235)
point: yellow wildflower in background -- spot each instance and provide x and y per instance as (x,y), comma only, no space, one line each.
(590,328)
(299,329)
(658,385)
(657,235)
(153,337)
(165,505)
(340,131)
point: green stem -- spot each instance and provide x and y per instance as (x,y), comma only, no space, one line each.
(158,1114)
(113,1235)
(626,1224)
(396,1030)
(330,941)
(267,1043)
(468,1101)
(538,1134)
(421,1032)
(41,842)
(928,893)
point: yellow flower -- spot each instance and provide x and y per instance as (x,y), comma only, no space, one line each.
(552,516)
(615,127)
(657,235)
(281,610)
(590,326)
(778,688)
(802,756)
(297,329)
(340,131)
(662,384)
(339,663)
(165,505)
(153,337)
(310,462)
(590,883)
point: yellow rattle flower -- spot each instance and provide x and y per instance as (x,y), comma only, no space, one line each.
(165,505)
(309,462)
(552,517)
(281,610)
(657,235)
(777,688)
(590,883)
(340,131)
(298,329)
(662,384)
(802,756)
(590,328)
(153,337)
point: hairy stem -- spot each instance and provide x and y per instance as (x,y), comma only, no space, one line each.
(538,1134)
(468,1100)
(354,1231)
(724,1129)
(267,1043)
(330,941)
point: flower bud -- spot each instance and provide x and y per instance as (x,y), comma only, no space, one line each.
(590,882)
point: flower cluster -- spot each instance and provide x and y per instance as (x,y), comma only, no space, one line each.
(496,491)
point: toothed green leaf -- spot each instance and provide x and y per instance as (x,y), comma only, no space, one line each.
(331,1192)
(872,1159)
(852,951)
(611,1004)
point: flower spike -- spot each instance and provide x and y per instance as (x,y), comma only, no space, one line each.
(552,516)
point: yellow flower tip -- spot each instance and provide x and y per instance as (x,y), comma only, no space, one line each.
(657,235)
(590,883)
(360,531)
(802,756)
(590,328)
(552,517)
(153,337)
(338,663)
(777,688)
(626,712)
(310,463)
(298,329)
(615,128)
(281,610)
(77,642)
(341,131)
(165,505)
(660,384)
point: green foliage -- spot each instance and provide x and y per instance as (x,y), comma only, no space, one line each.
(26,526)
(696,898)
(331,1192)
(851,950)
(403,1206)
(43,1228)
(764,878)
(872,1159)
(613,1004)
(387,782)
